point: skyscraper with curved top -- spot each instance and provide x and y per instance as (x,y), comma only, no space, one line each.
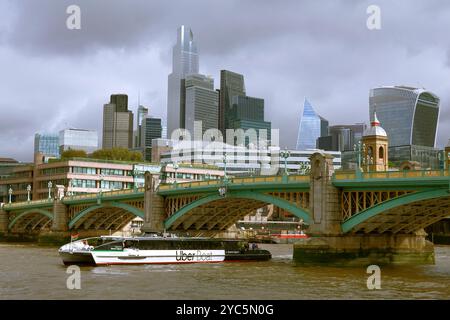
(312,126)
(184,62)
(409,115)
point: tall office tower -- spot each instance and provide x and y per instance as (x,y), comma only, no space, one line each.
(47,144)
(410,118)
(117,125)
(184,62)
(312,126)
(121,102)
(231,84)
(78,139)
(248,113)
(141,114)
(201,102)
(151,129)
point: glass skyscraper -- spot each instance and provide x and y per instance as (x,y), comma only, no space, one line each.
(231,84)
(248,113)
(312,126)
(409,115)
(184,62)
(151,129)
(47,144)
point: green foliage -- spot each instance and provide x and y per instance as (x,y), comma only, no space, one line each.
(121,154)
(72,153)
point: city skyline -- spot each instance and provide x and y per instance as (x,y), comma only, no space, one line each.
(282,63)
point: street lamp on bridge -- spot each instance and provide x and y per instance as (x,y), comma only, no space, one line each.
(28,191)
(359,148)
(50,185)
(285,155)
(175,167)
(10,192)
(225,167)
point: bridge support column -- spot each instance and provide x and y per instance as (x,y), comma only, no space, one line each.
(329,245)
(59,231)
(153,205)
(60,216)
(4,221)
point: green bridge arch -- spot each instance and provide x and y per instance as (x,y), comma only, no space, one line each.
(281,203)
(19,216)
(120,205)
(391,204)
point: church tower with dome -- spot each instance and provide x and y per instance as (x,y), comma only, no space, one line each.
(375,147)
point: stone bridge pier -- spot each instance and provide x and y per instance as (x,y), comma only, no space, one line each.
(327,242)
(153,206)
(3,222)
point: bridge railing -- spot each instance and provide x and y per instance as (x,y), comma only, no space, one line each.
(391,174)
(75,197)
(104,194)
(13,205)
(236,181)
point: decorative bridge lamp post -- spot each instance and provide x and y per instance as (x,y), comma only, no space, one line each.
(28,191)
(358,148)
(50,185)
(135,174)
(10,192)
(225,167)
(175,167)
(285,155)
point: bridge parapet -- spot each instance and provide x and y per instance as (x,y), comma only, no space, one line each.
(27,204)
(405,174)
(237,181)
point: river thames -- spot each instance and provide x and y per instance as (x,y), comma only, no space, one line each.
(34,272)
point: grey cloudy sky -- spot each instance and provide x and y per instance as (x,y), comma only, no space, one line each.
(53,77)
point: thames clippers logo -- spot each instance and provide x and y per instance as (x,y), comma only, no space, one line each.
(197,256)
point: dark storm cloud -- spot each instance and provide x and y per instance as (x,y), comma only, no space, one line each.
(286,49)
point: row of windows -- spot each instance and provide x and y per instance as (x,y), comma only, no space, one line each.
(82,183)
(181,245)
(112,172)
(84,170)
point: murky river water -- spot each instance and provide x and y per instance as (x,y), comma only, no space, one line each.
(32,272)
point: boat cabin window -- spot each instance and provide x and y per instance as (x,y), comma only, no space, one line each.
(113,246)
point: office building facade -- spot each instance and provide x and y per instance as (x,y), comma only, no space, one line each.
(78,139)
(312,126)
(201,102)
(342,137)
(47,144)
(117,123)
(185,60)
(410,117)
(151,129)
(231,84)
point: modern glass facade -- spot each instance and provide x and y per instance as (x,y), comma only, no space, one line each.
(184,62)
(47,144)
(312,126)
(151,129)
(231,84)
(78,139)
(248,113)
(409,115)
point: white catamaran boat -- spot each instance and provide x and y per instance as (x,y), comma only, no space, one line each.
(156,249)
